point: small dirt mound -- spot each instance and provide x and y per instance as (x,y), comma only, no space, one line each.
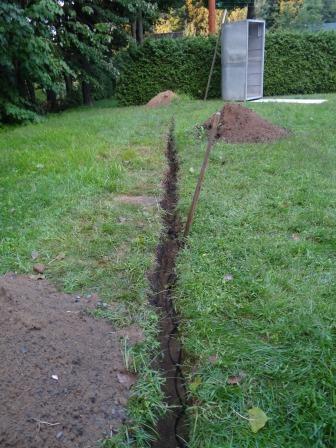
(162,99)
(62,380)
(241,125)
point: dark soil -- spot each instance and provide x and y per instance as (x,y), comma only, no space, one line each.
(45,334)
(172,428)
(241,125)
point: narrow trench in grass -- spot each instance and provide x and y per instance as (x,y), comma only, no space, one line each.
(172,428)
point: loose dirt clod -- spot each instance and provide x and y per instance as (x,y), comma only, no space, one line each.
(241,125)
(162,99)
(58,365)
(39,268)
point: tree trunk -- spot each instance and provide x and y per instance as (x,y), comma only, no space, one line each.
(251,12)
(212,16)
(134,29)
(20,82)
(31,90)
(140,30)
(87,93)
(68,85)
(51,100)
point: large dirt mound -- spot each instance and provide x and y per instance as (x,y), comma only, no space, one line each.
(61,374)
(162,99)
(241,125)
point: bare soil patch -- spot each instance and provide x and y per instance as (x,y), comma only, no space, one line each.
(238,124)
(147,201)
(60,371)
(162,99)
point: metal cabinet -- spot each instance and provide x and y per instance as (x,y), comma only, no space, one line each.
(243,50)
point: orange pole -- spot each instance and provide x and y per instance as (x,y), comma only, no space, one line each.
(212,16)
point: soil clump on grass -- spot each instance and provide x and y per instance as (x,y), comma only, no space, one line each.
(60,369)
(238,124)
(162,99)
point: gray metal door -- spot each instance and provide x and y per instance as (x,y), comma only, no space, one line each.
(255,62)
(243,46)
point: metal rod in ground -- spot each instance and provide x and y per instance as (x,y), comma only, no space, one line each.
(215,55)
(211,140)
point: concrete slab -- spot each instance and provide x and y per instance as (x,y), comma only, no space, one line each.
(289,100)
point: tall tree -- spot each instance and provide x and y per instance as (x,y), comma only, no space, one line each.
(212,16)
(329,11)
(269,10)
(87,35)
(310,15)
(28,58)
(196,17)
(141,14)
(251,10)
(300,15)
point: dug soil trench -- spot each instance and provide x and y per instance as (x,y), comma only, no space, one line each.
(172,428)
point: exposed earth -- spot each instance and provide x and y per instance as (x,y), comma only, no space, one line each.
(146,201)
(62,379)
(172,428)
(162,99)
(238,124)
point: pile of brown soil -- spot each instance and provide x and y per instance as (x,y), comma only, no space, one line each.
(62,380)
(241,125)
(162,99)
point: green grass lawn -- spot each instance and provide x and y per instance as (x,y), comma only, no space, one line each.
(59,187)
(266,217)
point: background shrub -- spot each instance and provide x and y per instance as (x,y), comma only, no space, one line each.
(162,64)
(300,63)
(296,63)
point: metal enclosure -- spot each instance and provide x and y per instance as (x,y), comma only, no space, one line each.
(243,52)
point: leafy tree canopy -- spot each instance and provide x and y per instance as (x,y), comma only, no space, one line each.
(54,46)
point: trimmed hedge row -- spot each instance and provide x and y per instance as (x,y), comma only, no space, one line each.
(296,63)
(300,63)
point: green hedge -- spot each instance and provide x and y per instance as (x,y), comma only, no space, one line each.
(176,64)
(300,63)
(295,63)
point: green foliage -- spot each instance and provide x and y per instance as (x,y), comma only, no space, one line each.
(266,217)
(197,18)
(300,63)
(299,15)
(12,113)
(329,10)
(27,56)
(59,182)
(176,64)
(62,49)
(85,40)
(296,15)
(268,10)
(170,22)
(295,63)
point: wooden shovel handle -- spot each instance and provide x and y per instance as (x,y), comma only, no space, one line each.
(211,139)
